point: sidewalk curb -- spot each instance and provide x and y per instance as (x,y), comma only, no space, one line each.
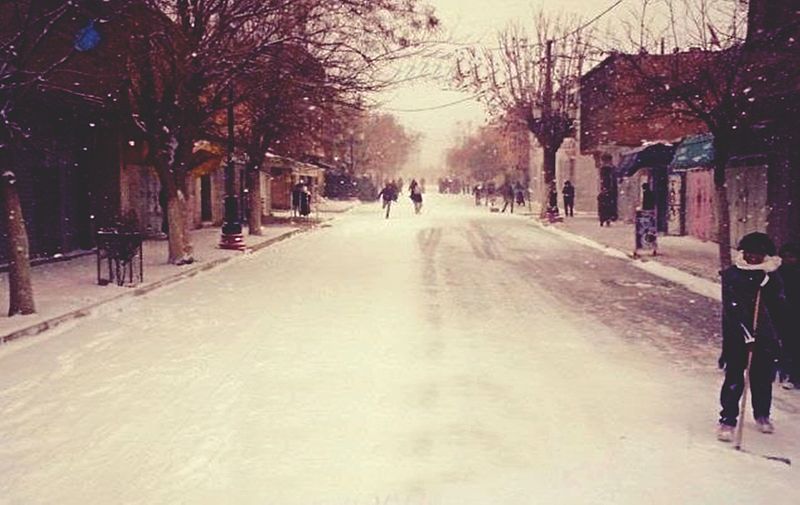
(692,282)
(53,322)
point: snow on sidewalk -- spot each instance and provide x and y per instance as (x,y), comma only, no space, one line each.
(68,289)
(684,260)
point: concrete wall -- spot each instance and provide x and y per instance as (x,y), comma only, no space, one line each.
(139,190)
(747,195)
(580,170)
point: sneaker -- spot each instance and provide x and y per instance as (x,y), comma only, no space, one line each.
(765,425)
(725,433)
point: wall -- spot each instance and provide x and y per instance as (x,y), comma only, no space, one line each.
(701,210)
(747,194)
(139,196)
(580,170)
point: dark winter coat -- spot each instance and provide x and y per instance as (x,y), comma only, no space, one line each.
(389,193)
(739,289)
(606,206)
(416,193)
(648,199)
(568,191)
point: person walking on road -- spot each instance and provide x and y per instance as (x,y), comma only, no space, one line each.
(790,326)
(415,193)
(477,191)
(388,195)
(568,193)
(519,193)
(508,197)
(752,303)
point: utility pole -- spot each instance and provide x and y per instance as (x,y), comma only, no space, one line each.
(232,237)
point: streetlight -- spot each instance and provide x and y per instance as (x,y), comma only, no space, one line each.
(232,237)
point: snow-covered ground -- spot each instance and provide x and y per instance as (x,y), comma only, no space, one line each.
(454,357)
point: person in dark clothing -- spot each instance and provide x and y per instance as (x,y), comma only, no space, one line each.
(606,208)
(298,193)
(519,192)
(552,199)
(388,194)
(568,193)
(508,197)
(415,193)
(752,302)
(648,198)
(476,192)
(608,184)
(790,324)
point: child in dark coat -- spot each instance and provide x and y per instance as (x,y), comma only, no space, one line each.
(751,285)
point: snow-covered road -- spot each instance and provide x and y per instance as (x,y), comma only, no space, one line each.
(454,357)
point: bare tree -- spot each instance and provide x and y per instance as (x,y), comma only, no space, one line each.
(282,110)
(183,69)
(722,83)
(383,147)
(531,78)
(483,155)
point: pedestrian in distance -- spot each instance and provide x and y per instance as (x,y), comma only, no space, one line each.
(477,190)
(790,324)
(415,193)
(491,196)
(520,194)
(508,197)
(648,198)
(388,194)
(552,200)
(568,193)
(606,207)
(752,303)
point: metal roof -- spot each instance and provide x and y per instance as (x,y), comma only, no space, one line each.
(694,151)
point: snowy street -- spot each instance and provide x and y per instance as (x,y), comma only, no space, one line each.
(453,357)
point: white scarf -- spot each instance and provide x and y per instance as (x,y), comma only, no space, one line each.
(770,263)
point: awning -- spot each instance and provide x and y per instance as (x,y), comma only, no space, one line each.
(652,156)
(206,157)
(694,151)
(277,165)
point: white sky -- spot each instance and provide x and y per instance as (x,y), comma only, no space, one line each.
(470,21)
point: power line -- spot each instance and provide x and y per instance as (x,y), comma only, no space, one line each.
(437,107)
(478,95)
(593,20)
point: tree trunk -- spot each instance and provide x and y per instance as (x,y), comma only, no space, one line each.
(254,195)
(548,176)
(721,157)
(179,245)
(20,288)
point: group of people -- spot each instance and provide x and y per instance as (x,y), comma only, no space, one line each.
(511,193)
(760,329)
(391,191)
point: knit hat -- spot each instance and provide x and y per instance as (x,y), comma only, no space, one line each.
(757,243)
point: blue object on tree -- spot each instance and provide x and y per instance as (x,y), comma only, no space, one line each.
(88,38)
